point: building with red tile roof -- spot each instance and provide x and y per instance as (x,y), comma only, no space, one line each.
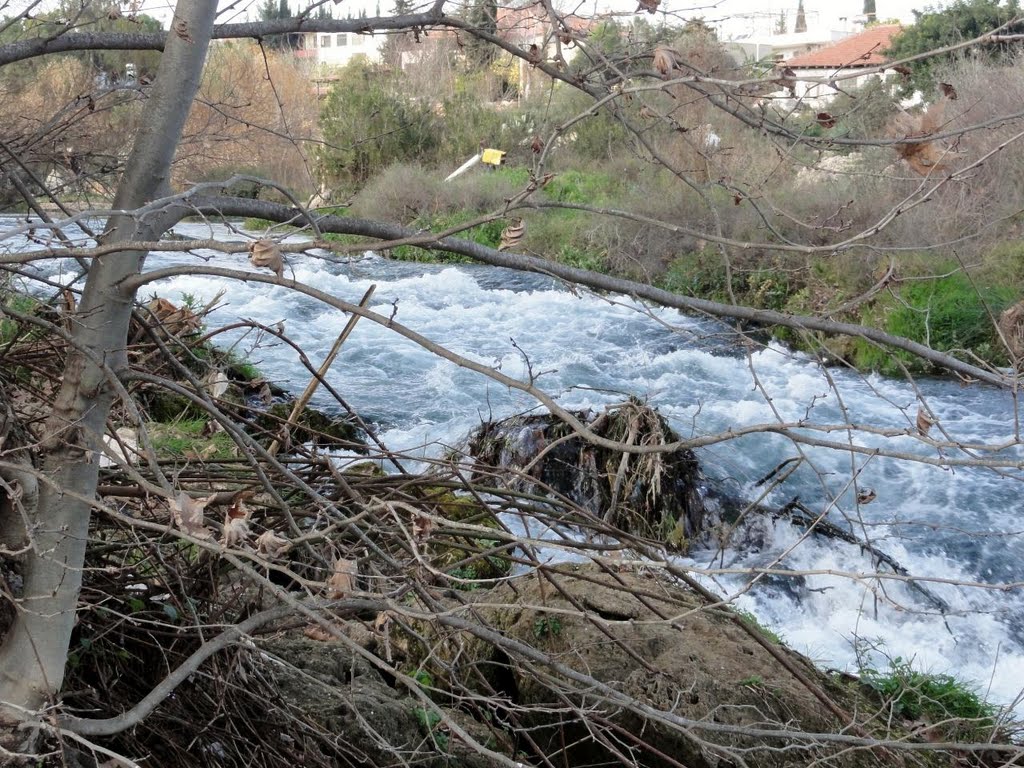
(817,76)
(865,49)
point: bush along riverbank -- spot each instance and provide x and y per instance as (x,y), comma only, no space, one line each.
(940,298)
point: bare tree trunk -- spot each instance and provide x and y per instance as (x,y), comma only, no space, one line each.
(33,655)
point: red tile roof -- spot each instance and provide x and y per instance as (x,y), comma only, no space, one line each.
(863,50)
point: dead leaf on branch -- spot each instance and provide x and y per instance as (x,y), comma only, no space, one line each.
(236,523)
(787,79)
(342,582)
(270,544)
(825,120)
(175,320)
(924,422)
(665,59)
(188,514)
(924,155)
(512,235)
(266,253)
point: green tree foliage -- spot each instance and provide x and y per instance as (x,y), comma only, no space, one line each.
(869,10)
(961,21)
(279,9)
(801,19)
(482,14)
(627,47)
(368,124)
(90,17)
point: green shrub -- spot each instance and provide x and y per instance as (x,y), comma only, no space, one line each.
(948,313)
(368,124)
(915,695)
(582,187)
(699,274)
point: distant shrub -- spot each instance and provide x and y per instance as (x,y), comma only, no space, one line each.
(948,313)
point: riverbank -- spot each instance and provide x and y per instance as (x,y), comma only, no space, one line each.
(944,298)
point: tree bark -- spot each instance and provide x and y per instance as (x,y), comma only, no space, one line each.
(34,652)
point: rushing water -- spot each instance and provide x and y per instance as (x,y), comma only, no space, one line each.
(959,525)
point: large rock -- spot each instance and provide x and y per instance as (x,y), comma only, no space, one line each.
(664,648)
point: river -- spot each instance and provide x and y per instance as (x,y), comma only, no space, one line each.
(962,524)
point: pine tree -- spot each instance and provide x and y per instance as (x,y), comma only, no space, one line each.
(869,10)
(483,14)
(801,20)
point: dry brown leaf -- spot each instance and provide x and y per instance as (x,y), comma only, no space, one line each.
(172,319)
(787,79)
(188,514)
(260,390)
(825,120)
(1011,326)
(665,59)
(236,523)
(270,544)
(512,235)
(342,581)
(924,155)
(318,633)
(382,622)
(924,422)
(266,253)
(421,528)
(866,496)
(217,383)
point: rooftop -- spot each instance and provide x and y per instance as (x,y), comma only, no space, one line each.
(861,50)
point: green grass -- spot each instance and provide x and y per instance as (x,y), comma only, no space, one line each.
(751,621)
(17,302)
(915,695)
(184,440)
(583,187)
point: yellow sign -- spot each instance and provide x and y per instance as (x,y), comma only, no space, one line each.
(493,157)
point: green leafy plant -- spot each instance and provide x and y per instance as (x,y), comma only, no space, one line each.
(751,620)
(915,695)
(547,626)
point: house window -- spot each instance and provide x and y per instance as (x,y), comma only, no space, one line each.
(325,41)
(342,39)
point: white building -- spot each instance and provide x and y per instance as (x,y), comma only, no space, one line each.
(783,47)
(336,49)
(850,63)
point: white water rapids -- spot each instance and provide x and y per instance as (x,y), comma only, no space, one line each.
(958,525)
